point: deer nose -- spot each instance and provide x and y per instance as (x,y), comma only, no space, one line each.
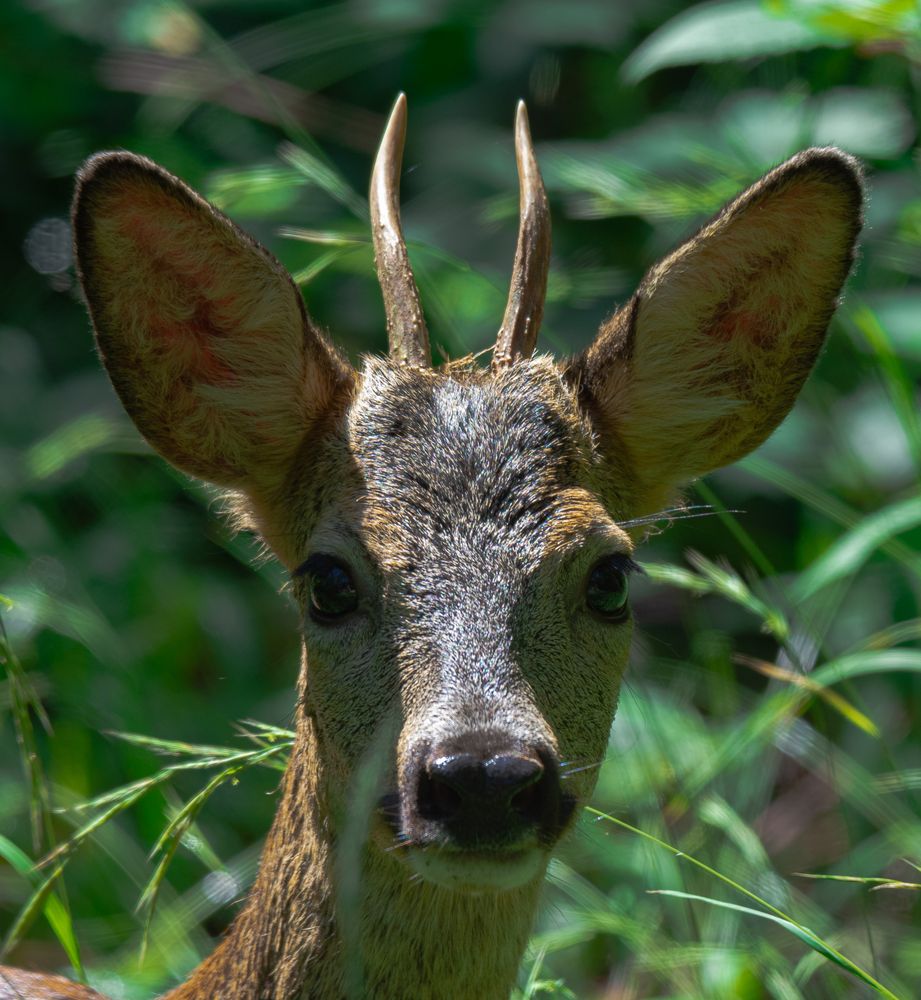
(488,798)
(464,781)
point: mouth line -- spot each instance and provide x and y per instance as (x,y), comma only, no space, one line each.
(454,852)
(390,813)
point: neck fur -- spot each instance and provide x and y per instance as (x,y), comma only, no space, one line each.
(414,939)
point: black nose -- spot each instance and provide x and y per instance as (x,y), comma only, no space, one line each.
(464,781)
(487,796)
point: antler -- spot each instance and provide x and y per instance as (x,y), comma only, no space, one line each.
(406,330)
(525,308)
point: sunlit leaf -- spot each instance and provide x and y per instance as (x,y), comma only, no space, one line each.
(267,189)
(713,32)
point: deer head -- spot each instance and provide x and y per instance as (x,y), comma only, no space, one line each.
(459,540)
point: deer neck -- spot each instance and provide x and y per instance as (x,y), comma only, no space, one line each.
(413,939)
(286,926)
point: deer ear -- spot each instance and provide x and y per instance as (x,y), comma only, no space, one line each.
(709,355)
(201,330)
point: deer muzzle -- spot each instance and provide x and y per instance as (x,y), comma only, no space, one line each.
(482,810)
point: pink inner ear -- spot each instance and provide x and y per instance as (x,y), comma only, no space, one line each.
(737,323)
(202,331)
(141,215)
(759,322)
(758,326)
(150,223)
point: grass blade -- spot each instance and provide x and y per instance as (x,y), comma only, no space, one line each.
(808,683)
(853,549)
(56,913)
(819,944)
(805,935)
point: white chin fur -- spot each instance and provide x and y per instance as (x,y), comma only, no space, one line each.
(478,871)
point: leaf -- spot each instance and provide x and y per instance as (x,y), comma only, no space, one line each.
(315,171)
(173,834)
(266,189)
(714,32)
(37,902)
(871,662)
(853,549)
(716,811)
(324,260)
(899,382)
(676,576)
(861,22)
(832,508)
(87,433)
(891,635)
(908,779)
(76,619)
(55,912)
(722,580)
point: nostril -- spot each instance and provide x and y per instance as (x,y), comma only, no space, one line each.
(527,802)
(509,776)
(457,781)
(445,800)
(437,800)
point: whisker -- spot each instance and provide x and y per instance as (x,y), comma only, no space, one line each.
(671,514)
(585,767)
(678,514)
(569,770)
(565,765)
(397,846)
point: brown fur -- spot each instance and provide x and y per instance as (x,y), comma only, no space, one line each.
(16,984)
(470,508)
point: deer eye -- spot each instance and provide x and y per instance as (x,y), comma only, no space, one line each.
(332,591)
(607,590)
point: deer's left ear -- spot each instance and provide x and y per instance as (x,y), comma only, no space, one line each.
(709,355)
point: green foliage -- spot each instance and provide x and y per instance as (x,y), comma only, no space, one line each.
(768,737)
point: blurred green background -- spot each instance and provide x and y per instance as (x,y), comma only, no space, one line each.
(132,608)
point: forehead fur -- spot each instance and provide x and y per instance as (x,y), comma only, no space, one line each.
(466,452)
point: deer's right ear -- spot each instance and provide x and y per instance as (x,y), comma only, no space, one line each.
(201,330)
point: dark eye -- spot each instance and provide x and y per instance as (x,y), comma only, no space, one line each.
(606,591)
(332,591)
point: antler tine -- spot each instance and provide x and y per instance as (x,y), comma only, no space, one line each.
(525,308)
(406,330)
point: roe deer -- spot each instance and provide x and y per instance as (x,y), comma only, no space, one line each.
(459,539)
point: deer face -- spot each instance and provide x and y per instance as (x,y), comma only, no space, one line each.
(456,537)
(470,584)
